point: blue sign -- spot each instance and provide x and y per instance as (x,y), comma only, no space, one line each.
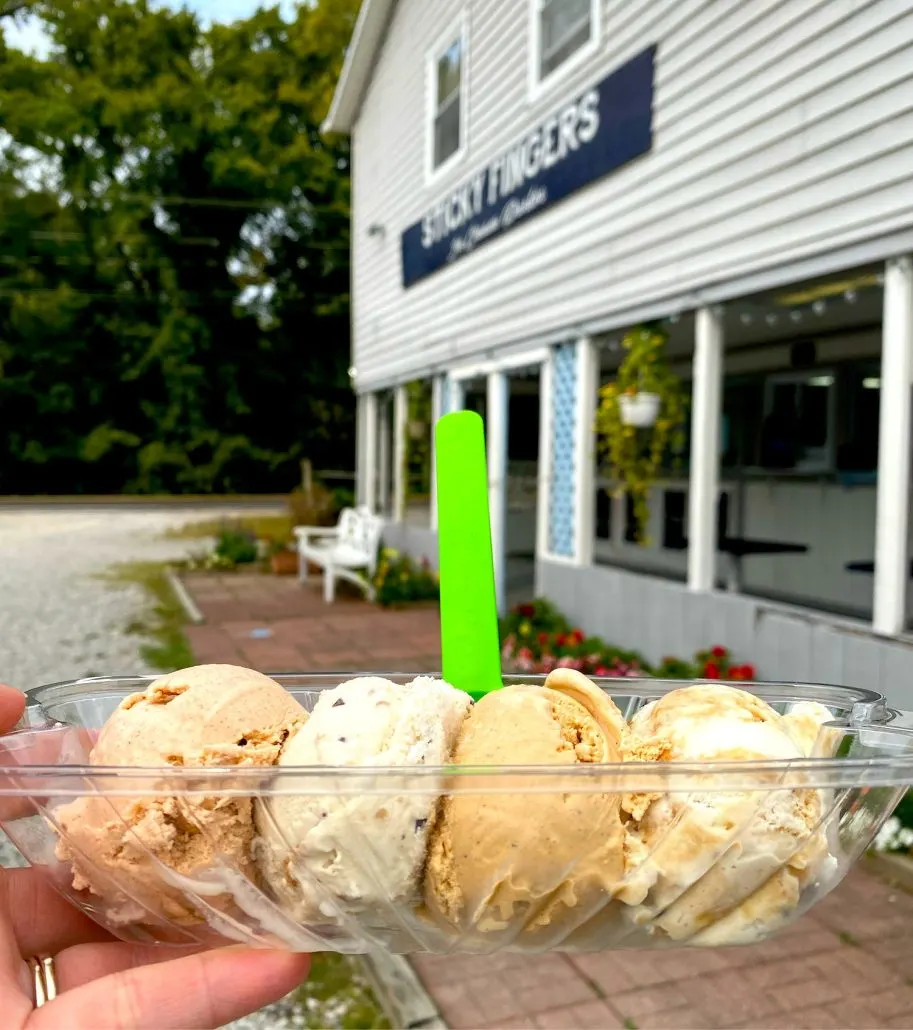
(598,132)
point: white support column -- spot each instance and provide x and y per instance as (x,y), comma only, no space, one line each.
(383,458)
(892,513)
(400,418)
(369,451)
(705,448)
(496,433)
(457,394)
(437,410)
(359,450)
(585,450)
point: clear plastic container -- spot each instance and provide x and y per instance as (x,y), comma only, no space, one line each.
(721,869)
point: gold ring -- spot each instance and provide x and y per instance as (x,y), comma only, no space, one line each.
(44,979)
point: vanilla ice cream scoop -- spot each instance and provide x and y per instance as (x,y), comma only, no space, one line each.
(121,848)
(328,857)
(530,867)
(693,858)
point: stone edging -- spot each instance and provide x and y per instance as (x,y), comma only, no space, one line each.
(184,597)
(896,868)
(401,993)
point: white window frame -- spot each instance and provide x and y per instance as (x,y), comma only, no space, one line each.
(457,29)
(538,86)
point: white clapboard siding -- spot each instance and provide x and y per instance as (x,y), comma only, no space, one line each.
(783,130)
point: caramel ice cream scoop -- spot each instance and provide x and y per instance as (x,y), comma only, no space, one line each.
(121,848)
(732,860)
(532,864)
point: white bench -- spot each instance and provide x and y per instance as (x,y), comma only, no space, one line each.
(347,551)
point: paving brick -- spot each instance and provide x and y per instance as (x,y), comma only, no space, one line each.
(765,975)
(855,1014)
(890,1003)
(803,1019)
(513,1023)
(658,997)
(474,1003)
(592,1015)
(686,1018)
(728,999)
(604,972)
(904,1022)
(805,992)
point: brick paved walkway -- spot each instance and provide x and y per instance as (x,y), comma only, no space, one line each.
(847,966)
(305,633)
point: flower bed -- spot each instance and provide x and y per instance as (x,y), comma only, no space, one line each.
(402,580)
(537,638)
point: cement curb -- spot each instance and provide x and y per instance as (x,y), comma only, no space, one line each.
(181,592)
(401,993)
(897,869)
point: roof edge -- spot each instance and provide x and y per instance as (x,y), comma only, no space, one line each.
(361,54)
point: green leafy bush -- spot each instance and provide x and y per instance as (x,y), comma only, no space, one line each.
(400,579)
(236,546)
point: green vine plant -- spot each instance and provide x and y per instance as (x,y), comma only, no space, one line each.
(418,440)
(634,457)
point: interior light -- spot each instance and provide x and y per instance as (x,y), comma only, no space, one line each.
(871,383)
(821,381)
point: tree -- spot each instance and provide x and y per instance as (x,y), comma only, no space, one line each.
(174,268)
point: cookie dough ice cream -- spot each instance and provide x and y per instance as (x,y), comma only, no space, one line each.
(211,715)
(530,863)
(330,857)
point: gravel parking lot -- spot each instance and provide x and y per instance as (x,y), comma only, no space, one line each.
(58,618)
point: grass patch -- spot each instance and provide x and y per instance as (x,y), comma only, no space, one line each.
(276,527)
(337,996)
(847,938)
(165,646)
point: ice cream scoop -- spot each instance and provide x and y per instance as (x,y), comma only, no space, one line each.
(692,859)
(532,864)
(210,715)
(330,857)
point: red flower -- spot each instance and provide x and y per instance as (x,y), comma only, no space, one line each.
(576,636)
(543,638)
(749,672)
(712,671)
(719,652)
(601,671)
(560,640)
(526,610)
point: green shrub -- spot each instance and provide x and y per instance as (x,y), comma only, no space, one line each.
(400,579)
(236,546)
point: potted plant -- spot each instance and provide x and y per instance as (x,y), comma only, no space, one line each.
(283,559)
(641,415)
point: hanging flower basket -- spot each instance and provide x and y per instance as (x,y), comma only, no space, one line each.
(417,429)
(639,410)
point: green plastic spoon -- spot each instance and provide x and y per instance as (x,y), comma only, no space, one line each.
(469,611)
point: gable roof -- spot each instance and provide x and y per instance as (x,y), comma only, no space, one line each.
(361,55)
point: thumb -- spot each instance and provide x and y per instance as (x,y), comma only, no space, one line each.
(195,992)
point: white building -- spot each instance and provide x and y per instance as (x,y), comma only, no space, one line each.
(533,177)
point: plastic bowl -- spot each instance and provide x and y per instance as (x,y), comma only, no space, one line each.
(736,890)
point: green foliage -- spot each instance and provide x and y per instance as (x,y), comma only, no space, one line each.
(400,579)
(164,646)
(418,439)
(236,546)
(174,232)
(635,456)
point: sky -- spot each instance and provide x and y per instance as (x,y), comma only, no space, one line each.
(28,35)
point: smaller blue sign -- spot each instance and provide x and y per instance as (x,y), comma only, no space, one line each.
(598,132)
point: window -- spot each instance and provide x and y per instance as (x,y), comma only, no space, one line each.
(798,427)
(562,30)
(447,89)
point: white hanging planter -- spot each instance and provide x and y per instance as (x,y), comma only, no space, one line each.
(639,410)
(417,430)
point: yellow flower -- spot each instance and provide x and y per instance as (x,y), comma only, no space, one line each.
(525,629)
